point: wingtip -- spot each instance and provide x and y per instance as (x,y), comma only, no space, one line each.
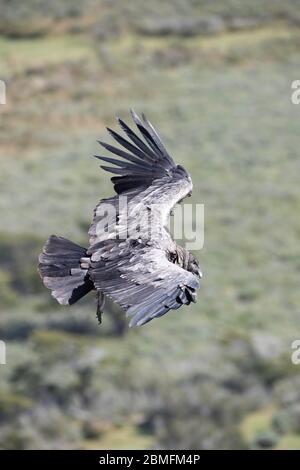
(134,115)
(137,118)
(99,157)
(110,131)
(121,123)
(103,144)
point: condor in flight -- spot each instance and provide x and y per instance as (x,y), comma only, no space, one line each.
(146,274)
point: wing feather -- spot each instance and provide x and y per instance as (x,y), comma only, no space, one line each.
(142,280)
(145,173)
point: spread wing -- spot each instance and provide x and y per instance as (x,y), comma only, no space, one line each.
(141,279)
(134,270)
(146,176)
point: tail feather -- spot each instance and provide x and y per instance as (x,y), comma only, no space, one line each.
(60,270)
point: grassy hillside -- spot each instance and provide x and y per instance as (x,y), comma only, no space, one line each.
(214,375)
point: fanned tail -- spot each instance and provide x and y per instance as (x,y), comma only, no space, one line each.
(61,271)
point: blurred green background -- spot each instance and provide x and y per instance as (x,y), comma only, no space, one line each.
(215,78)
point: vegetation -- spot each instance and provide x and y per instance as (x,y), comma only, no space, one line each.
(215,77)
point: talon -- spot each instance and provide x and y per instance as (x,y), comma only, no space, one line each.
(100,306)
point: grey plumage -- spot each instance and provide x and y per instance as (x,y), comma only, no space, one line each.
(146,275)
